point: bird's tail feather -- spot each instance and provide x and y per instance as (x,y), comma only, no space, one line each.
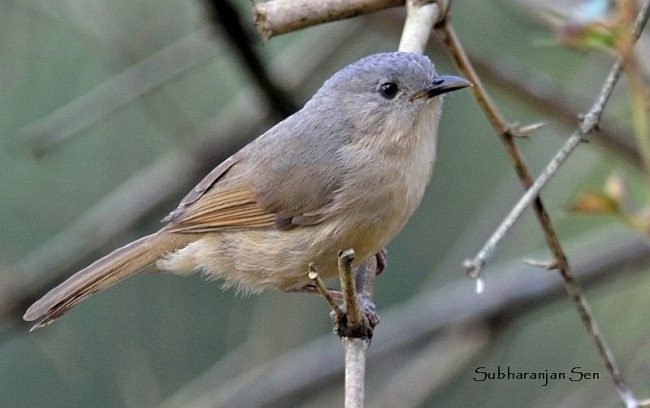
(112,268)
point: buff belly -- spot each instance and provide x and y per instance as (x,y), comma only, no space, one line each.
(249,260)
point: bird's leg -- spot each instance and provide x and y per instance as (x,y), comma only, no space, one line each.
(363,276)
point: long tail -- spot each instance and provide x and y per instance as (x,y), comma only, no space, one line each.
(112,268)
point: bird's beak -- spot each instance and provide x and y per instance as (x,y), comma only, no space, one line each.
(442,84)
(447,83)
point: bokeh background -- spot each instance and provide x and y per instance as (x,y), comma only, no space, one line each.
(111,110)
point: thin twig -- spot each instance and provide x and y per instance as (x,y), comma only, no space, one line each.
(421,16)
(507,134)
(355,370)
(324,292)
(588,123)
(282,16)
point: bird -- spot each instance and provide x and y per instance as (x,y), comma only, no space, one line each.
(344,172)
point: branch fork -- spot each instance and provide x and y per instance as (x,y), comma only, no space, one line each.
(356,318)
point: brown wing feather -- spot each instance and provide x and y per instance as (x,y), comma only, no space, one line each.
(229,207)
(223,199)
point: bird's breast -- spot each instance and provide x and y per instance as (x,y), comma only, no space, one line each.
(384,189)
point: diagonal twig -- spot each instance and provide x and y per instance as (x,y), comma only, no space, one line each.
(324,292)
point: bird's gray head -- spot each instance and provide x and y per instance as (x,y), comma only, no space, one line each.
(386,91)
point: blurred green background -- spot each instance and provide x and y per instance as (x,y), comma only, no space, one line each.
(111,110)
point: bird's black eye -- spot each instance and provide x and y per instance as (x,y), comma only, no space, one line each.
(388,90)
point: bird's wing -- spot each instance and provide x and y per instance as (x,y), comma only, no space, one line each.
(229,197)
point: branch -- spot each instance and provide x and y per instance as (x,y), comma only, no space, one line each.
(282,16)
(420,18)
(355,370)
(355,325)
(354,329)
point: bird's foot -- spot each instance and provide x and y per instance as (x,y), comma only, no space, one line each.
(363,329)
